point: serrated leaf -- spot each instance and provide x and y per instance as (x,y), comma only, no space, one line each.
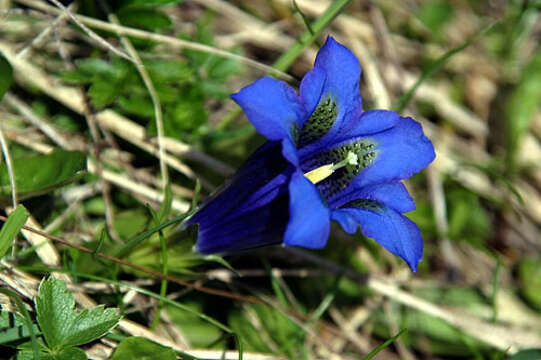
(38,174)
(64,354)
(91,324)
(11,228)
(61,326)
(6,76)
(55,315)
(142,349)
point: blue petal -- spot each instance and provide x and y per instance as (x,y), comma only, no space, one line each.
(309,217)
(260,227)
(336,74)
(395,232)
(256,183)
(272,107)
(311,89)
(393,195)
(400,152)
(346,221)
(373,121)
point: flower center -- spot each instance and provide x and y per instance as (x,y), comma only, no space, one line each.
(323,172)
(335,168)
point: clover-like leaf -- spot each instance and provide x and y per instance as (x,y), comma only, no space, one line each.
(54,306)
(62,327)
(91,324)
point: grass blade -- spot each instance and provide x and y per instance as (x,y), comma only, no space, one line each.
(384,345)
(404,100)
(11,228)
(138,239)
(27,319)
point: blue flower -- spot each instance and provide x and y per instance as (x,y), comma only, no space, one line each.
(326,159)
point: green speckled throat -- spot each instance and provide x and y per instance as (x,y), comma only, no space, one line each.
(368,204)
(365,150)
(320,122)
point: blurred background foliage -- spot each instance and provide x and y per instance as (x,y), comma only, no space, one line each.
(80,125)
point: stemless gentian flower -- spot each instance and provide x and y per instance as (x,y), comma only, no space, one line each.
(326,159)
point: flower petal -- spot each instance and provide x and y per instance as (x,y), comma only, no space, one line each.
(260,227)
(401,152)
(311,88)
(398,234)
(346,221)
(309,217)
(254,185)
(332,87)
(373,121)
(393,195)
(272,106)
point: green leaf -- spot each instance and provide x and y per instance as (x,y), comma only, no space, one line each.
(521,108)
(6,76)
(529,274)
(61,326)
(142,349)
(136,105)
(94,66)
(71,353)
(39,174)
(435,14)
(144,18)
(91,324)
(64,354)
(169,70)
(198,332)
(530,354)
(54,307)
(11,228)
(102,92)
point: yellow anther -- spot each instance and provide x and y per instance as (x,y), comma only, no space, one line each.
(321,173)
